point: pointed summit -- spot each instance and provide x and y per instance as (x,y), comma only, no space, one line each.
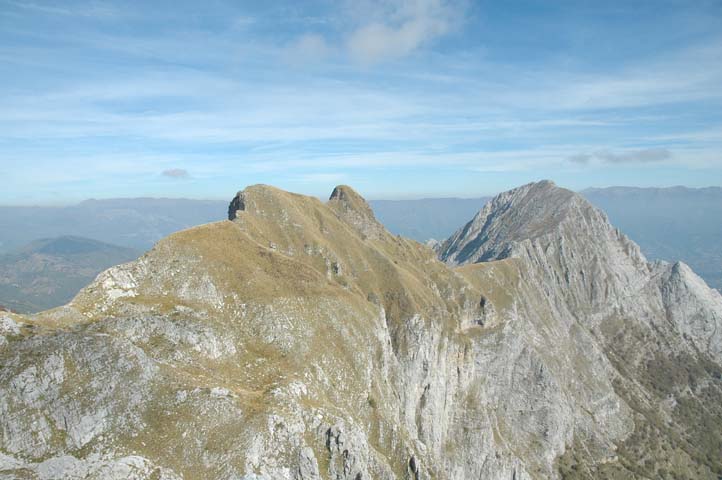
(342,192)
(560,236)
(350,199)
(353,209)
(525,213)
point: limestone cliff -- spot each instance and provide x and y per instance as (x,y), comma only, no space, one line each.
(656,326)
(300,340)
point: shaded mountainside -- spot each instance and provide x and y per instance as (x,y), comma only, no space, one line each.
(674,223)
(301,340)
(134,222)
(50,272)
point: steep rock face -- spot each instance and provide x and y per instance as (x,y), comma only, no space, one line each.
(302,341)
(568,241)
(584,263)
(644,318)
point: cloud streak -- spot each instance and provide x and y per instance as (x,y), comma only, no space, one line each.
(175,173)
(94,10)
(645,156)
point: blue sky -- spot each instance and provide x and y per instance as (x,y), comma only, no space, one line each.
(398,98)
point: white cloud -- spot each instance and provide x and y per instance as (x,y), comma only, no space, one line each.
(378,30)
(406,26)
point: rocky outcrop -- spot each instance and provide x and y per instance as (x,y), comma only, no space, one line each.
(694,309)
(236,204)
(355,211)
(302,341)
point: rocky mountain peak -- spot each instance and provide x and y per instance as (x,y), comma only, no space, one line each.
(585,264)
(693,307)
(285,208)
(569,242)
(529,213)
(353,209)
(344,193)
(238,203)
(252,199)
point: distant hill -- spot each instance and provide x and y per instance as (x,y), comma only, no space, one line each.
(427,218)
(49,272)
(135,222)
(676,223)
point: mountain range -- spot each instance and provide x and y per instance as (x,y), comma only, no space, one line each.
(133,222)
(301,340)
(49,272)
(670,224)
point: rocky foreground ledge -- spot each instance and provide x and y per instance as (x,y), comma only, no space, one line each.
(301,340)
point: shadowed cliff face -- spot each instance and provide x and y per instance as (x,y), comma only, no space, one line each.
(301,340)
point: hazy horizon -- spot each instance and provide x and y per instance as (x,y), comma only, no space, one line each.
(330,189)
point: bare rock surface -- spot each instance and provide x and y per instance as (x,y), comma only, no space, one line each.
(655,327)
(302,341)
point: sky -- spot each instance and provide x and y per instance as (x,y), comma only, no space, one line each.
(397,98)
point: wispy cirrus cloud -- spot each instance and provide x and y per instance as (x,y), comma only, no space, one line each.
(91,10)
(389,90)
(648,155)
